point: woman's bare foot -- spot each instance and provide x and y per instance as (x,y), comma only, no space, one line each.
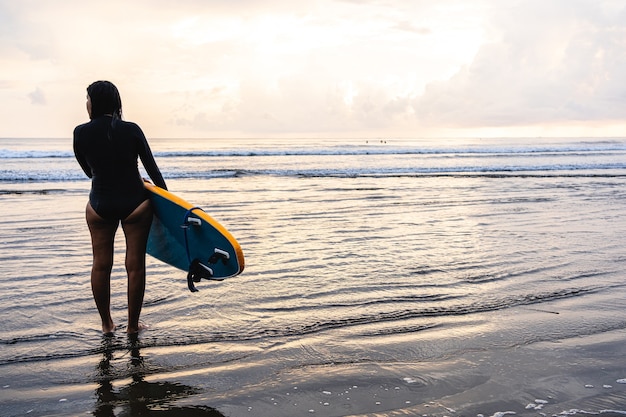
(136,330)
(108,329)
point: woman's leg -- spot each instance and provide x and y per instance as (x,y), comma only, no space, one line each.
(136,229)
(102,239)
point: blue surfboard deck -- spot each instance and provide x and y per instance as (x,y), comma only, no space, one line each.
(182,235)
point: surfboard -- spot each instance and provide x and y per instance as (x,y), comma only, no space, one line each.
(187,238)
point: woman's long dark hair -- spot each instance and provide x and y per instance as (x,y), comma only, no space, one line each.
(105,99)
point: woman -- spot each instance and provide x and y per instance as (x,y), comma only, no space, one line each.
(107,149)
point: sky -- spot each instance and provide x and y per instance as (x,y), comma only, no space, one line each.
(318,68)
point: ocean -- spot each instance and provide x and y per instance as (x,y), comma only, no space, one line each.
(384,277)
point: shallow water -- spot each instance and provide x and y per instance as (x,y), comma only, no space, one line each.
(364,262)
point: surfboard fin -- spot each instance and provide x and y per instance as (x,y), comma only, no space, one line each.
(192,220)
(219,254)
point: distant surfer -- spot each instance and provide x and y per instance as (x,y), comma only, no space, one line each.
(107,149)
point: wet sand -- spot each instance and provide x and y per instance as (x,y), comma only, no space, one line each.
(580,376)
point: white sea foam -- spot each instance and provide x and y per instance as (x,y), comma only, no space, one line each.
(41,160)
(503,413)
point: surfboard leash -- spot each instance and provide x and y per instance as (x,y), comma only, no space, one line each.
(196,270)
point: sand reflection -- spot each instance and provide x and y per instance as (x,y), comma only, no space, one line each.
(140,397)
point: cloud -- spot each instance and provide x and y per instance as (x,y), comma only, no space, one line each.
(550,62)
(216,67)
(408,26)
(349,69)
(37,97)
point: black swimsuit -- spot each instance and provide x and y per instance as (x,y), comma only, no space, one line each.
(108,155)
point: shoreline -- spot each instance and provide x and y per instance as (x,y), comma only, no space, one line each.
(581,375)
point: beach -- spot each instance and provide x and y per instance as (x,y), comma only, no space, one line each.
(581,376)
(383,278)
